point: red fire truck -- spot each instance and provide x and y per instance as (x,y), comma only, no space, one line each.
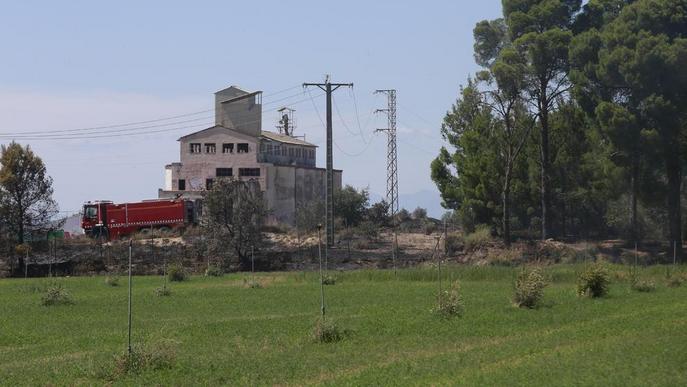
(110,221)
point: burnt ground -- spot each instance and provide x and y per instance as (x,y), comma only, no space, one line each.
(284,251)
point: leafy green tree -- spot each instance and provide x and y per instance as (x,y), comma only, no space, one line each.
(503,79)
(26,191)
(468,176)
(640,58)
(378,213)
(234,213)
(541,31)
(351,205)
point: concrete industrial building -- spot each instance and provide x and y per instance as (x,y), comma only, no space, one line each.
(237,147)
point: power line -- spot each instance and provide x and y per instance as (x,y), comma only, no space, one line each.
(93,128)
(135,131)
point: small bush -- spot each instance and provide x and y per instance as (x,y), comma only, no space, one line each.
(252,283)
(112,280)
(644,286)
(429,227)
(594,281)
(176,273)
(478,239)
(55,294)
(326,331)
(674,281)
(529,288)
(214,271)
(506,258)
(454,244)
(449,302)
(328,280)
(149,357)
(367,230)
(163,291)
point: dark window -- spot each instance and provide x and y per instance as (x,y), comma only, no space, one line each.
(208,184)
(245,172)
(227,148)
(182,185)
(223,172)
(242,148)
(195,147)
(210,148)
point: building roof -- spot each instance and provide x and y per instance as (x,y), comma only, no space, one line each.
(285,139)
(234,132)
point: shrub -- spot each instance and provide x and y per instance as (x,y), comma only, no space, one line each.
(478,239)
(55,294)
(644,286)
(368,230)
(454,243)
(176,273)
(449,302)
(214,271)
(328,280)
(326,331)
(252,283)
(506,258)
(149,357)
(675,281)
(429,227)
(112,280)
(529,288)
(594,281)
(163,291)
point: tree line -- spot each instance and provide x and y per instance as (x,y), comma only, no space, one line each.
(575,124)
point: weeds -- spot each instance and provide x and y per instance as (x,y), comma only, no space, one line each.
(326,331)
(176,273)
(328,280)
(644,286)
(478,239)
(55,294)
(163,291)
(529,288)
(594,281)
(148,357)
(674,281)
(449,302)
(112,280)
(252,283)
(214,271)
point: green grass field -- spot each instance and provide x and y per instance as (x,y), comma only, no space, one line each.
(224,333)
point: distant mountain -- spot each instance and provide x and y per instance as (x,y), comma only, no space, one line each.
(430,200)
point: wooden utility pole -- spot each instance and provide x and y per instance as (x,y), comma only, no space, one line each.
(328,88)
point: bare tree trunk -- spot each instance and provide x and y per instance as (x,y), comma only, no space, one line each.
(674,211)
(545,189)
(506,206)
(634,189)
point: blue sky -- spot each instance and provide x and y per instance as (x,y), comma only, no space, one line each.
(82,64)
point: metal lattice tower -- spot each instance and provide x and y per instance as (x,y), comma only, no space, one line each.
(391,155)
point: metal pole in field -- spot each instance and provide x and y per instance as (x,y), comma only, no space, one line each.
(319,250)
(674,253)
(129,338)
